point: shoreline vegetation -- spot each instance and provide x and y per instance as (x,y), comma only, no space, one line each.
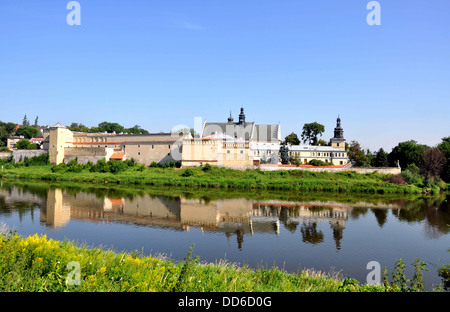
(38,264)
(131,173)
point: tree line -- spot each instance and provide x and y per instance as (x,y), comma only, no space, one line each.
(419,162)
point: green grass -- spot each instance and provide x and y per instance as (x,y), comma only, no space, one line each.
(36,263)
(294,180)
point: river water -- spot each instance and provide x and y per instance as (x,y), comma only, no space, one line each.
(333,233)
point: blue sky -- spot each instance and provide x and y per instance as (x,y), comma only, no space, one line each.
(161,63)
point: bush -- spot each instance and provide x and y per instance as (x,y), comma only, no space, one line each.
(154,164)
(395,179)
(316,162)
(188,172)
(206,168)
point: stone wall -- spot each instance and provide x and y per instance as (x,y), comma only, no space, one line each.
(86,154)
(19,155)
(381,170)
(5,154)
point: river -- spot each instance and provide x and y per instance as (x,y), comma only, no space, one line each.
(333,233)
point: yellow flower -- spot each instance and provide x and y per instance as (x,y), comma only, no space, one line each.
(102,270)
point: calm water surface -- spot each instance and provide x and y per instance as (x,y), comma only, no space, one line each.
(327,232)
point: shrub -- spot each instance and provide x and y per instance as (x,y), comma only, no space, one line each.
(395,179)
(316,162)
(154,164)
(188,172)
(206,168)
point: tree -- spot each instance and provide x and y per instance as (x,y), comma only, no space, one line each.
(311,131)
(292,139)
(28,132)
(381,160)
(406,153)
(25,144)
(136,130)
(433,163)
(6,130)
(25,121)
(110,127)
(444,146)
(356,155)
(36,122)
(284,153)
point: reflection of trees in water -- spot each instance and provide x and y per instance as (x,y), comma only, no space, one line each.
(434,211)
(310,234)
(380,216)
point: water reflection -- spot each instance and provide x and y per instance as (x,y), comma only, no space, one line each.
(233,217)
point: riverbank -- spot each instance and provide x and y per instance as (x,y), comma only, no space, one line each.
(213,177)
(36,263)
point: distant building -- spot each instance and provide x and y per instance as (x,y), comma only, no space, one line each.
(11,141)
(239,144)
(64,145)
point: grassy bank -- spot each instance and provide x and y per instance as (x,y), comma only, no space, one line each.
(213,177)
(36,263)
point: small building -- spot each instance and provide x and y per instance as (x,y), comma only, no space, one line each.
(12,141)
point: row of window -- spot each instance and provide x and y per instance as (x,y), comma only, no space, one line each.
(314,154)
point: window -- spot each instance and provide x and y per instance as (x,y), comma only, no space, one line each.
(153,146)
(139,146)
(139,153)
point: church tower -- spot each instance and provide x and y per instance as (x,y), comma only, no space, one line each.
(242,117)
(338,140)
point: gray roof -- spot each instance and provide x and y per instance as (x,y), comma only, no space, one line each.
(247,131)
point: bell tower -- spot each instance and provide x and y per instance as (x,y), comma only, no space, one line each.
(338,140)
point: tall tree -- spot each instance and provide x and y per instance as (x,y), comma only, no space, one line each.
(356,155)
(110,127)
(292,139)
(311,131)
(381,160)
(25,121)
(36,122)
(433,163)
(444,146)
(284,153)
(409,152)
(28,132)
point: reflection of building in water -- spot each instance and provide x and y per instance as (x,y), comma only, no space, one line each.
(57,211)
(238,217)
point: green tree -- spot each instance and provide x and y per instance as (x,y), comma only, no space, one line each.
(357,155)
(25,144)
(311,131)
(136,130)
(36,122)
(110,127)
(25,121)
(284,153)
(28,132)
(406,153)
(292,139)
(381,159)
(444,146)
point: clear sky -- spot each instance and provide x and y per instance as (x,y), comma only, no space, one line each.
(160,63)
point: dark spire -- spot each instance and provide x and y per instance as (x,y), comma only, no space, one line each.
(230,119)
(338,131)
(242,116)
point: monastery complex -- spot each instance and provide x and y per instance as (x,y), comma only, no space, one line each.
(230,144)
